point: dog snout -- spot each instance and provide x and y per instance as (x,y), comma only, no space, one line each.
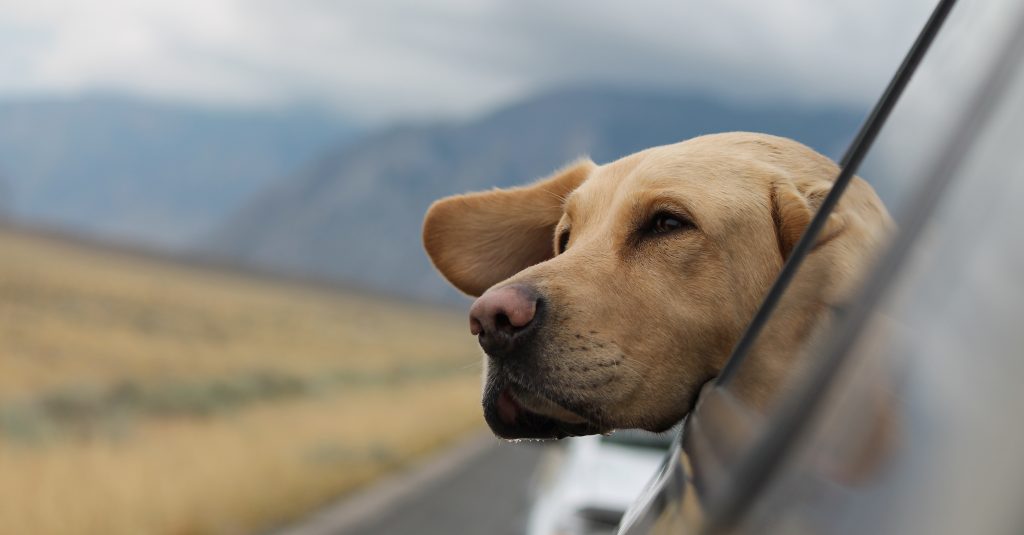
(502,317)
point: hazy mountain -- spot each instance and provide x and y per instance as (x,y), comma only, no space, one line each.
(149,172)
(355,213)
(6,197)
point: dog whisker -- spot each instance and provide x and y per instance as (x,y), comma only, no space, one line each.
(630,369)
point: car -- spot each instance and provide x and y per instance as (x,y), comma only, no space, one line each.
(907,417)
(584,485)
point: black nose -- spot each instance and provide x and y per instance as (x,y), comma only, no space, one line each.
(504,318)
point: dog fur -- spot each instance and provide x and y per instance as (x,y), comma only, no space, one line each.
(635,321)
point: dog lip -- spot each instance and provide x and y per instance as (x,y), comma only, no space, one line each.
(509,419)
(508,408)
(542,405)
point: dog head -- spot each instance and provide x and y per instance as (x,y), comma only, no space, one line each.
(608,295)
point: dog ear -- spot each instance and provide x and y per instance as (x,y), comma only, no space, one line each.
(479,239)
(792,210)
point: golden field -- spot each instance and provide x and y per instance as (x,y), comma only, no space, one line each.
(144,396)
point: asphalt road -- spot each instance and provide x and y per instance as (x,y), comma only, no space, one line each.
(477,487)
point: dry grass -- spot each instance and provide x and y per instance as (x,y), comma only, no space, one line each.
(227,475)
(78,320)
(72,315)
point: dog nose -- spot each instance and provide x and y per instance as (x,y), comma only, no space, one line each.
(500,316)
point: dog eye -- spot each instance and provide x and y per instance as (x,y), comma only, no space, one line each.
(665,222)
(563,241)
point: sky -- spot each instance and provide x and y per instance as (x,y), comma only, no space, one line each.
(385,61)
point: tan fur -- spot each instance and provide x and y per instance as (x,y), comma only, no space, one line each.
(639,324)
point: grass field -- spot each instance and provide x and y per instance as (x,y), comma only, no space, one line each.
(142,396)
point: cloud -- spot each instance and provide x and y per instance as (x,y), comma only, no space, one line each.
(396,59)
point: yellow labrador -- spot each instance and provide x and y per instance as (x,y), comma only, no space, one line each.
(609,294)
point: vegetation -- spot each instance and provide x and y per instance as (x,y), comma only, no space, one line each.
(141,396)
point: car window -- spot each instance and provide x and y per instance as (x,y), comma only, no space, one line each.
(915,136)
(919,432)
(820,280)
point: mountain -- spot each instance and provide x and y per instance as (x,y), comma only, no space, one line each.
(143,171)
(5,197)
(355,213)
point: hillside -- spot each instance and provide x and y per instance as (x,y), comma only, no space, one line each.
(143,396)
(146,171)
(355,213)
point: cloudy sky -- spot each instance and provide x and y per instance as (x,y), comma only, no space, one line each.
(391,60)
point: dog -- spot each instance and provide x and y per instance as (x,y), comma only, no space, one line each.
(608,295)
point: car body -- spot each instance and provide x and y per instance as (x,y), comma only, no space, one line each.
(585,484)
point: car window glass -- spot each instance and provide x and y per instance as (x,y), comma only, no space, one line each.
(913,137)
(919,435)
(908,142)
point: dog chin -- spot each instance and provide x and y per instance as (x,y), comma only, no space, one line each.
(514,413)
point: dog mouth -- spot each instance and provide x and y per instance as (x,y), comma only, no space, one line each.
(513,412)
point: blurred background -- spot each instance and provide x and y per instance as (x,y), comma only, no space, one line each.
(215,312)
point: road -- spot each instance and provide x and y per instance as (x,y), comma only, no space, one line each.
(477,487)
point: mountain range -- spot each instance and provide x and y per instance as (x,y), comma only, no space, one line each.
(304,193)
(147,172)
(354,212)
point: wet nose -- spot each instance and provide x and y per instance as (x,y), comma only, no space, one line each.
(501,317)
